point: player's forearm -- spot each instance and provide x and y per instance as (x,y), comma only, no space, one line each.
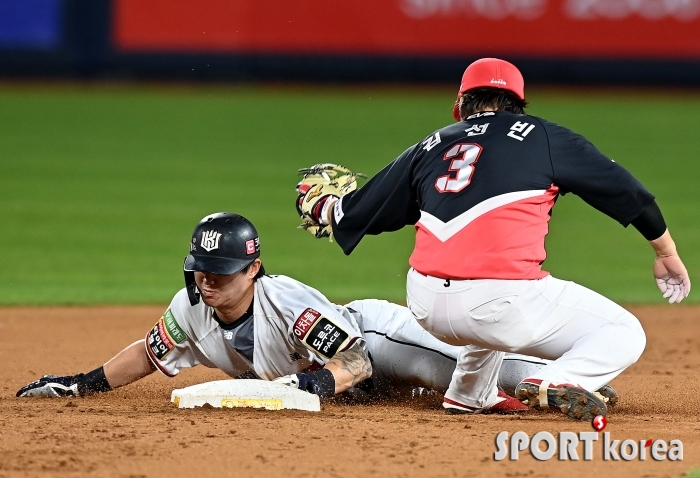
(664,246)
(350,367)
(129,365)
(327,211)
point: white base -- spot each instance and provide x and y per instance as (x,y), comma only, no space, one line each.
(245,393)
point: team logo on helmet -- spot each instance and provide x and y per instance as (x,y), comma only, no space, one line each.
(210,240)
(498,81)
(252,246)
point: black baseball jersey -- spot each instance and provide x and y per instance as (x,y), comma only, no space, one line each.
(480,194)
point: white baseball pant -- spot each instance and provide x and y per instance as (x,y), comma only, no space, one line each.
(590,338)
(405,356)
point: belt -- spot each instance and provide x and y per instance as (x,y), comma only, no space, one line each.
(447,280)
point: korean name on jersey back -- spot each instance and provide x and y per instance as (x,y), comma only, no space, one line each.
(319,333)
(164,336)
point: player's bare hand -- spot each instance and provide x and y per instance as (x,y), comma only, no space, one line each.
(672,278)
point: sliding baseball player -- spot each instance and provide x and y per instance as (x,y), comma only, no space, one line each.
(233,317)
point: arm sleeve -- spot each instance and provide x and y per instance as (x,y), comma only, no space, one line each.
(168,345)
(580,168)
(650,223)
(386,203)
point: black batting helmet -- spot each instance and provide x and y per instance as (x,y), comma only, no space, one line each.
(222,243)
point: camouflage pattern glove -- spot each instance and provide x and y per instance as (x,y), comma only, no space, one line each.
(322,184)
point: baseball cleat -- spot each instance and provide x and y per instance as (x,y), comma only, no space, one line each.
(609,395)
(575,402)
(505,405)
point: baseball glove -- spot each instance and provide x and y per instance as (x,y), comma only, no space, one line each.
(321,186)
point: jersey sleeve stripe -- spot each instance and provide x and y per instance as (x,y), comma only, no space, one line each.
(350,343)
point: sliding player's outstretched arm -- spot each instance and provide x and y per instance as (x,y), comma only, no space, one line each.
(129,365)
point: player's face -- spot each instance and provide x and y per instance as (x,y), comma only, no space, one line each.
(219,291)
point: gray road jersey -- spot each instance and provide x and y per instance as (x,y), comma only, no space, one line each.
(292,323)
(295,328)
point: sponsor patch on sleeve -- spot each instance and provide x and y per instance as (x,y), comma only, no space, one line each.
(164,336)
(304,322)
(318,333)
(173,328)
(326,338)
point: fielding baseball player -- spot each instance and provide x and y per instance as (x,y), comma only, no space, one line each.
(233,317)
(480,193)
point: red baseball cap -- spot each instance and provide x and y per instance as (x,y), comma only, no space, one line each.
(490,73)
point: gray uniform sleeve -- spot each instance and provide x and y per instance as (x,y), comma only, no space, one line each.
(312,319)
(168,345)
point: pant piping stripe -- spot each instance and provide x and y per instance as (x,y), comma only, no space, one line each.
(526,361)
(409,344)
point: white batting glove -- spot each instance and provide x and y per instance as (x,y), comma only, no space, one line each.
(288,380)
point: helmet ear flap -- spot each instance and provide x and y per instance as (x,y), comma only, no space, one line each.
(192,290)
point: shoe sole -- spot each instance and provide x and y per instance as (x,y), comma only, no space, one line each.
(609,394)
(575,403)
(485,411)
(457,411)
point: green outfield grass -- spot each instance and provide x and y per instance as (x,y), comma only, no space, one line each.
(101,186)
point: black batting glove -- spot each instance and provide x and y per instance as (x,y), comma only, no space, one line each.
(51,386)
(319,383)
(79,385)
(309,383)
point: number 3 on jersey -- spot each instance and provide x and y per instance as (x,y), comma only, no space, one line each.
(463,156)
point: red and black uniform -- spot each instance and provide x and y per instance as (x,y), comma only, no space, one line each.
(480,194)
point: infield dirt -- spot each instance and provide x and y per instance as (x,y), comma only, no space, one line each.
(136,431)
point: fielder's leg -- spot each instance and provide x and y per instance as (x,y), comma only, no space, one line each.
(590,338)
(405,355)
